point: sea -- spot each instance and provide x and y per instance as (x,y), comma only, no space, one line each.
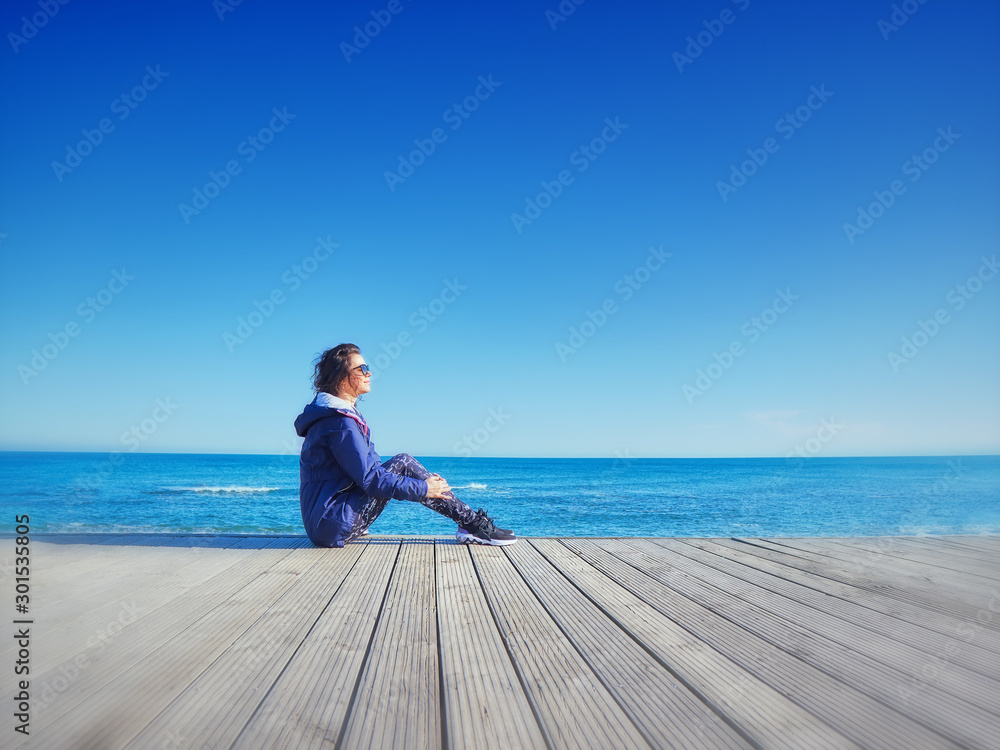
(727,497)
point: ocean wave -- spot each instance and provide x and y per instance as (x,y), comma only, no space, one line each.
(470,486)
(244,490)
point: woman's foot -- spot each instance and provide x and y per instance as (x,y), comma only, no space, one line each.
(482,530)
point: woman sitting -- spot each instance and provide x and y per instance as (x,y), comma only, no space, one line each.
(344,485)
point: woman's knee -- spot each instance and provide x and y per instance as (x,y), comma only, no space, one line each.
(398,461)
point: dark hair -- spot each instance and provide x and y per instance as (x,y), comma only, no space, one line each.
(330,367)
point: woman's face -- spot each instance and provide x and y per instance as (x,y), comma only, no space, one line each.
(357,384)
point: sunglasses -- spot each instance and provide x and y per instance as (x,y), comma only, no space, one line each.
(364,369)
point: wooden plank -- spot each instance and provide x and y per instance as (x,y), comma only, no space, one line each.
(836,649)
(794,655)
(874,574)
(993,539)
(981,573)
(127,540)
(795,642)
(117,581)
(70,605)
(981,542)
(116,539)
(102,656)
(968,545)
(881,555)
(906,647)
(809,574)
(764,715)
(307,705)
(62,572)
(60,560)
(149,686)
(397,702)
(975,559)
(216,706)
(970,594)
(274,542)
(959,557)
(213,541)
(149,584)
(659,704)
(573,707)
(71,537)
(484,705)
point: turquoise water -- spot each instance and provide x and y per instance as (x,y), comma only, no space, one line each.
(537,497)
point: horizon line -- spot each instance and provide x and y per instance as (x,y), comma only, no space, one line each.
(580,458)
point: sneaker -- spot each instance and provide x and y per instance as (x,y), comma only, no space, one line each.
(482,530)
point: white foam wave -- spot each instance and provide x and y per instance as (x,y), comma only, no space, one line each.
(230,488)
(471,486)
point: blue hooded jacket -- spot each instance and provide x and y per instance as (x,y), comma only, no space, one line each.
(339,470)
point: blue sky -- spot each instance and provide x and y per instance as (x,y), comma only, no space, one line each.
(717,229)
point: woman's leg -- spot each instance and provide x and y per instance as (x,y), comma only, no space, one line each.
(449,505)
(371,510)
(407,465)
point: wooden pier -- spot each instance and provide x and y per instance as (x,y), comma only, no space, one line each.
(161,642)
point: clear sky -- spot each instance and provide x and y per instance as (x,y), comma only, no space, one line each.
(628,229)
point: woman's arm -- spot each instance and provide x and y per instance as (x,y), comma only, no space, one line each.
(356,457)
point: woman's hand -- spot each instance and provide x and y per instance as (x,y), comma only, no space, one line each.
(437,486)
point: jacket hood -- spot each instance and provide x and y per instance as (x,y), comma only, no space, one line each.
(323,406)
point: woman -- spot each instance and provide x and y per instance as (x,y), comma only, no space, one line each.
(344,485)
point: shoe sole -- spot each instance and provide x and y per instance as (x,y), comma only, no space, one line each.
(470,539)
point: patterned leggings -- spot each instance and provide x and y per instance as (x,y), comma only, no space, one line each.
(405,464)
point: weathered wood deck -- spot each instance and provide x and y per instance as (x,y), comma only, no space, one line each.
(267,642)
